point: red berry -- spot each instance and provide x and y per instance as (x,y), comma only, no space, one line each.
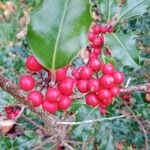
(126,97)
(93,85)
(64,103)
(108,53)
(36,98)
(110,29)
(107,101)
(97,51)
(92,100)
(75,73)
(61,73)
(50,107)
(32,64)
(11,115)
(8,109)
(96,29)
(115,90)
(104,106)
(17,111)
(106,81)
(93,55)
(91,36)
(82,86)
(52,95)
(95,64)
(98,41)
(103,29)
(26,82)
(104,94)
(86,73)
(108,69)
(103,111)
(66,86)
(118,77)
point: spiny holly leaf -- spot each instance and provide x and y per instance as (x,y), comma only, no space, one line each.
(57,31)
(129,9)
(123,48)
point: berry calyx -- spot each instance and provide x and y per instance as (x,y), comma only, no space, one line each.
(26,82)
(92,100)
(52,95)
(36,98)
(64,103)
(32,64)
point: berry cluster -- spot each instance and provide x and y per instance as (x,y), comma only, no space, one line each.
(11,112)
(99,82)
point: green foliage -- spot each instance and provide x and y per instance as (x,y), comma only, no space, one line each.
(56,35)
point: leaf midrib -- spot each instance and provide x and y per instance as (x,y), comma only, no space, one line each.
(58,35)
(130,9)
(123,47)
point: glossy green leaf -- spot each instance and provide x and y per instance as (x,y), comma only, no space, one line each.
(123,48)
(131,8)
(58,31)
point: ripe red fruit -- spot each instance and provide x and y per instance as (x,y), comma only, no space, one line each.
(95,64)
(103,111)
(107,101)
(66,86)
(11,115)
(104,106)
(93,85)
(82,86)
(32,64)
(8,109)
(118,77)
(36,98)
(96,29)
(103,29)
(17,111)
(75,73)
(92,100)
(52,95)
(108,69)
(104,94)
(91,36)
(108,53)
(98,41)
(86,73)
(126,97)
(93,55)
(97,51)
(106,81)
(115,90)
(64,103)
(61,73)
(50,107)
(26,82)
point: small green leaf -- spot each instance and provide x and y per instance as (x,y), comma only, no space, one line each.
(57,31)
(123,48)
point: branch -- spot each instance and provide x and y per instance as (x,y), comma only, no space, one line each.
(14,90)
(89,121)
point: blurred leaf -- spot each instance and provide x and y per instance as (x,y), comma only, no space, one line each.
(130,8)
(57,31)
(123,48)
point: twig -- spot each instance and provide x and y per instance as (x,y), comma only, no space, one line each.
(89,121)
(68,146)
(143,129)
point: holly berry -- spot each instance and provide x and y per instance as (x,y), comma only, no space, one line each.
(118,77)
(108,53)
(52,95)
(95,64)
(106,81)
(61,73)
(97,51)
(98,41)
(8,109)
(26,82)
(103,111)
(86,73)
(108,69)
(75,73)
(93,85)
(104,94)
(64,103)
(32,64)
(50,107)
(92,100)
(103,29)
(91,36)
(82,86)
(36,98)
(115,90)
(96,29)
(66,86)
